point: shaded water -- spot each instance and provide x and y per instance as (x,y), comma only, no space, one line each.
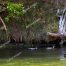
(6,53)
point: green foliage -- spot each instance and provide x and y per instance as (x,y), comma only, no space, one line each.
(14,10)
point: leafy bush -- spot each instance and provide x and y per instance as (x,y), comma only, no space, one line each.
(14,10)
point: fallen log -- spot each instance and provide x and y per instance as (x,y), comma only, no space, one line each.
(53,36)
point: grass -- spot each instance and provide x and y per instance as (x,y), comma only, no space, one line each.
(34,62)
(35,58)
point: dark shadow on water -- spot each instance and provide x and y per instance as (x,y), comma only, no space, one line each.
(7,53)
(39,53)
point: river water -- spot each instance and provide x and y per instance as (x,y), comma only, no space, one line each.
(6,53)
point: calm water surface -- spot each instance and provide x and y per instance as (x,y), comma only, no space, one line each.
(25,52)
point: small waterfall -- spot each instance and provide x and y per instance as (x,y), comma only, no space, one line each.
(62,32)
(62,22)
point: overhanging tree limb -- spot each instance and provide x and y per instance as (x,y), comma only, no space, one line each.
(4,26)
(33,23)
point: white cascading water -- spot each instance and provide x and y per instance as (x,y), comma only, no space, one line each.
(62,24)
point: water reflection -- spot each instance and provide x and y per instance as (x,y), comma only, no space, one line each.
(62,53)
(55,53)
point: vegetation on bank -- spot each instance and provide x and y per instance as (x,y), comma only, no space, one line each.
(19,14)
